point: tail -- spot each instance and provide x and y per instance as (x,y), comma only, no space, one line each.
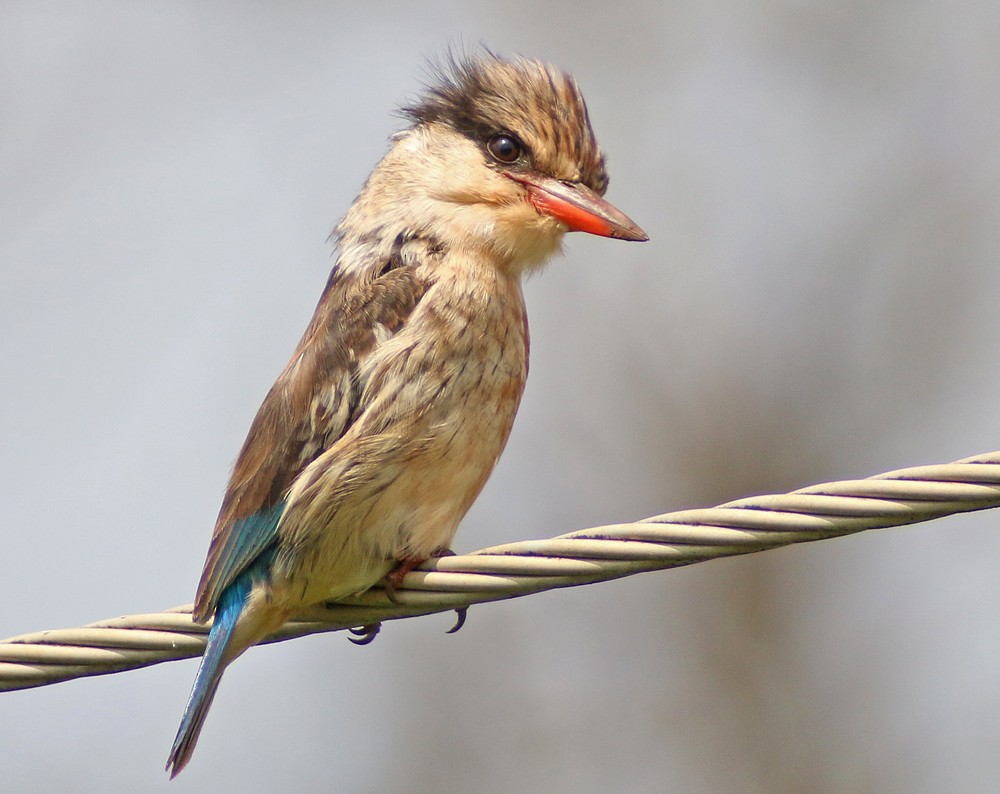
(213,664)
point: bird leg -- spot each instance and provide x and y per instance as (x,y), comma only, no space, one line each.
(394,580)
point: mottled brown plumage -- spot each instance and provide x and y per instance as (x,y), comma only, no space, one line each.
(312,402)
(385,424)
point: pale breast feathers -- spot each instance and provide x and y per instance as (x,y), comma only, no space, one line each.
(313,403)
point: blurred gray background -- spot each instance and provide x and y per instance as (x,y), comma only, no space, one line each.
(821,185)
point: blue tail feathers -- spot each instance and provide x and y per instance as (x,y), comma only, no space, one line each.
(231,605)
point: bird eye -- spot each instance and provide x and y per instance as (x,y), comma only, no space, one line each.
(505,148)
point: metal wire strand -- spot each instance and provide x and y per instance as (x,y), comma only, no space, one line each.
(906,496)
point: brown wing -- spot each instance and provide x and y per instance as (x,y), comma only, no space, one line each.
(311,405)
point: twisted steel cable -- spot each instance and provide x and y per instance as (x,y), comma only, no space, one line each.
(906,496)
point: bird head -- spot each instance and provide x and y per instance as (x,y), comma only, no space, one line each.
(500,157)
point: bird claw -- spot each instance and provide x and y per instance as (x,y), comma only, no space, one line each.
(365,634)
(462,613)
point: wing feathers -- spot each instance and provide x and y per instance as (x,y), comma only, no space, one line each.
(311,405)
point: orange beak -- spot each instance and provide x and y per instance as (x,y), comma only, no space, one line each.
(579,207)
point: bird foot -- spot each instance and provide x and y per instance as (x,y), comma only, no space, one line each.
(365,634)
(394,580)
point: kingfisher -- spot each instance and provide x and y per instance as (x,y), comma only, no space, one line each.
(383,427)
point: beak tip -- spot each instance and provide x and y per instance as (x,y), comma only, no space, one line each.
(631,234)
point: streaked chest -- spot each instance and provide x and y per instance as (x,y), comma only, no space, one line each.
(461,360)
